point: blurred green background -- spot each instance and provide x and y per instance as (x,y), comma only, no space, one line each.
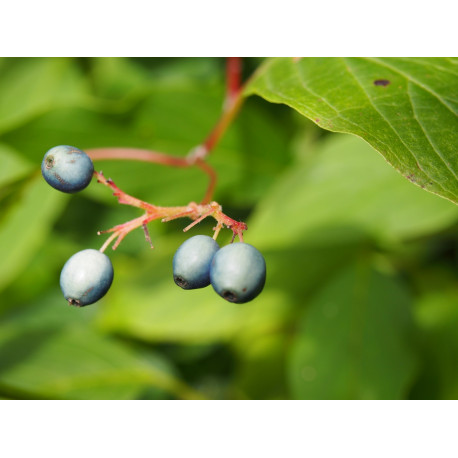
(361,298)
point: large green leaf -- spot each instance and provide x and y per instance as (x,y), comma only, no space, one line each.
(405,108)
(32,86)
(262,358)
(13,166)
(50,350)
(346,189)
(117,79)
(77,363)
(437,316)
(353,341)
(25,224)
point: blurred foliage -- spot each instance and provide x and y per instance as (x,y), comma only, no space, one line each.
(361,298)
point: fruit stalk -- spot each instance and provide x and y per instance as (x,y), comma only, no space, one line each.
(194,211)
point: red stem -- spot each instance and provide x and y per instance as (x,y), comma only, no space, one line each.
(229,114)
(233,78)
(212,184)
(137,154)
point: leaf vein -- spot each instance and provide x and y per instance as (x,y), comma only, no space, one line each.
(339,112)
(352,73)
(413,80)
(433,146)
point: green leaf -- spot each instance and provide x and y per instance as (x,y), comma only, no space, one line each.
(262,358)
(32,86)
(346,189)
(163,312)
(436,313)
(405,108)
(25,225)
(117,78)
(354,340)
(51,350)
(13,166)
(78,363)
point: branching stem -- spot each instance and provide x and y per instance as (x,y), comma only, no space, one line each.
(195,158)
(196,212)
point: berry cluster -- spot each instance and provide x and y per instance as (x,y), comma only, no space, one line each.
(237,271)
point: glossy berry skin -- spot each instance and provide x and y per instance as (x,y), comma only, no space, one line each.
(191,263)
(86,277)
(238,272)
(67,168)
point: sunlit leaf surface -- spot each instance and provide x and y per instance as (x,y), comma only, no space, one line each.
(405,108)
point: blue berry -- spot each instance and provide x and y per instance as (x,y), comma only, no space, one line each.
(238,272)
(86,277)
(191,263)
(67,168)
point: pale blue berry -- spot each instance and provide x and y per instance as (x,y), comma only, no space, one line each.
(67,168)
(86,277)
(238,272)
(191,263)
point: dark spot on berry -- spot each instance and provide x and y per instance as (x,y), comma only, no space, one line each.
(74,151)
(74,302)
(59,178)
(382,82)
(244,290)
(49,162)
(181,282)
(230,296)
(88,291)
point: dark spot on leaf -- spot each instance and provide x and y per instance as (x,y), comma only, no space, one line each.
(317,120)
(382,82)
